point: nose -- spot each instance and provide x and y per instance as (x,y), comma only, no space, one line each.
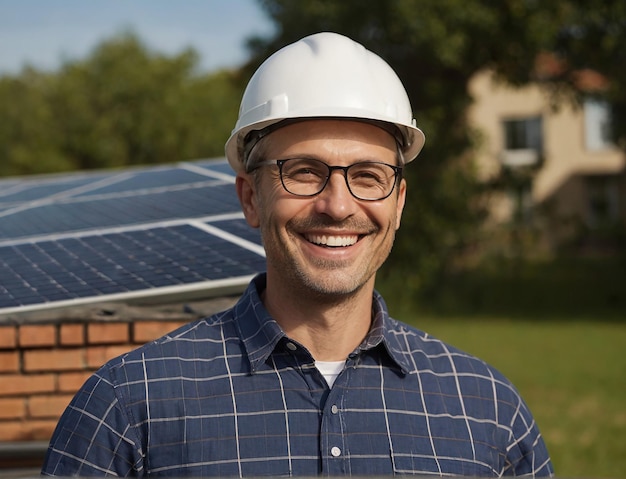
(335,200)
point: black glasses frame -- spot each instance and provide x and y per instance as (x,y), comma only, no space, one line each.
(280,163)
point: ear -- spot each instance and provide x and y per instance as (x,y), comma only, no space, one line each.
(247,197)
(401,201)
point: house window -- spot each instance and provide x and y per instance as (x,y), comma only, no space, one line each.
(597,125)
(523,134)
(603,201)
(523,141)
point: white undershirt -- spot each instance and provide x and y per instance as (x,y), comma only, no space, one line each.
(330,370)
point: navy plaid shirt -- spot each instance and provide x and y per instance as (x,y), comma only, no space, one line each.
(231,395)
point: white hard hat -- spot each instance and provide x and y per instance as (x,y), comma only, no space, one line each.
(325,75)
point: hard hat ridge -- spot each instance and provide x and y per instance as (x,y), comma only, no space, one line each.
(325,75)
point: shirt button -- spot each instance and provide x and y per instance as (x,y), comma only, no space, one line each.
(334,409)
(335,451)
(291,346)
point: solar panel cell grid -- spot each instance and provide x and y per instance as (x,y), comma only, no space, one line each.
(37,189)
(240,228)
(168,178)
(85,213)
(132,231)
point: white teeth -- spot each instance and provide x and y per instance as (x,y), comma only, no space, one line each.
(333,240)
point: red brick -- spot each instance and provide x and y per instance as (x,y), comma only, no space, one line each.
(12,408)
(72,335)
(145,331)
(34,335)
(8,337)
(71,382)
(46,407)
(27,430)
(108,333)
(9,362)
(22,384)
(54,360)
(97,356)
(41,430)
(12,431)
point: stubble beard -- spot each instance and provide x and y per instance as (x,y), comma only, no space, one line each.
(324,280)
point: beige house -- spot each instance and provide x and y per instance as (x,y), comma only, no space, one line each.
(570,178)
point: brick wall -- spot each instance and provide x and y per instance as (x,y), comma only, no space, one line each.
(42,366)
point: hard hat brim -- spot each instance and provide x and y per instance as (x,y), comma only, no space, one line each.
(413,137)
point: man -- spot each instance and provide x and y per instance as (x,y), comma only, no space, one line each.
(307,374)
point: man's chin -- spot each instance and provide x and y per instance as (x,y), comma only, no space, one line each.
(331,285)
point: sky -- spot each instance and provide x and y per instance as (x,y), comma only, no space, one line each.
(45,33)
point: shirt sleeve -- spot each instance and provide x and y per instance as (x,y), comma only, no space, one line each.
(527,454)
(94,436)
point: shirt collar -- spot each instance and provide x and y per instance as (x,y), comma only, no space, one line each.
(388,332)
(261,334)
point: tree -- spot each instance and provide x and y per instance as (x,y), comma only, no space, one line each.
(125,105)
(592,38)
(122,105)
(27,142)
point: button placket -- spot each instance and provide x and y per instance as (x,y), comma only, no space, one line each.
(335,450)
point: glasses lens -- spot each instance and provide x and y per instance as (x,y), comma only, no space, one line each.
(370,180)
(366,180)
(304,177)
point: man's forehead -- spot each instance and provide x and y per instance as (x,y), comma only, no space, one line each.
(305,124)
(333,129)
(330,140)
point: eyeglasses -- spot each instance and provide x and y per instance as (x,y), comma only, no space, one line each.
(366,180)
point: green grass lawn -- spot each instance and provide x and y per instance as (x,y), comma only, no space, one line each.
(571,373)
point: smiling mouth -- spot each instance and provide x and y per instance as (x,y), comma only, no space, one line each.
(332,241)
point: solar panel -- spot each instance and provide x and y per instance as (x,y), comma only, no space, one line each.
(123,235)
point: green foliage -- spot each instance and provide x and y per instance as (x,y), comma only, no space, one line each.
(593,37)
(26,126)
(123,105)
(567,287)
